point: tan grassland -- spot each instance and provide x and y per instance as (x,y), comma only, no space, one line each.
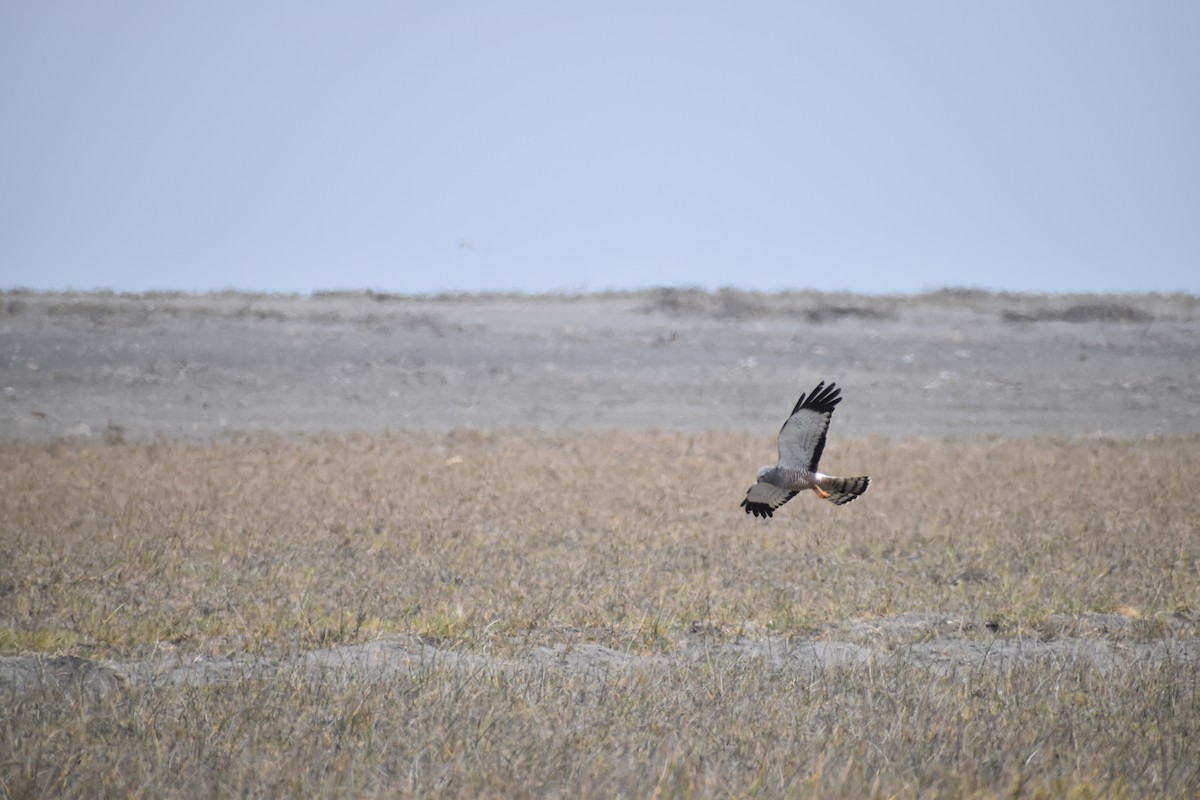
(591,614)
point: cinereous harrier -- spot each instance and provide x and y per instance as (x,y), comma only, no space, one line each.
(801,441)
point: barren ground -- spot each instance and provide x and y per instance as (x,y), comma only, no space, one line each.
(952,363)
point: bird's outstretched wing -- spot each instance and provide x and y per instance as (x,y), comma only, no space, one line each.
(802,437)
(764,498)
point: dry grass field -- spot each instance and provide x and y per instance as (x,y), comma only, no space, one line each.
(591,614)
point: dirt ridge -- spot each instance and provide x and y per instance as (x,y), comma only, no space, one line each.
(925,641)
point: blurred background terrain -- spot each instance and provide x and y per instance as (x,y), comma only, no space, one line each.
(948,363)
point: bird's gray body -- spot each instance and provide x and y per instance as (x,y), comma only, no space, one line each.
(791,478)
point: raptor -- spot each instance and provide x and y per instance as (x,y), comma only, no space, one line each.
(801,442)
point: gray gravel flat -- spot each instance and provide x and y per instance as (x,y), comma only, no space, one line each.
(953,363)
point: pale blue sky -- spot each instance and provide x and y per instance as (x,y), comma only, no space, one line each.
(420,147)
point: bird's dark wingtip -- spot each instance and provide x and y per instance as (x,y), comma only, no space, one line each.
(822,399)
(757,509)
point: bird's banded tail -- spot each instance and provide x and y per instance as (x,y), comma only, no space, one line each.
(842,490)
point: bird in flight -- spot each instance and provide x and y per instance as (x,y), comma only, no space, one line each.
(801,442)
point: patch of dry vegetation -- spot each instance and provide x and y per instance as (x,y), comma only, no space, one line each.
(736,304)
(1081,312)
(492,543)
(1050,728)
(726,304)
(820,307)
